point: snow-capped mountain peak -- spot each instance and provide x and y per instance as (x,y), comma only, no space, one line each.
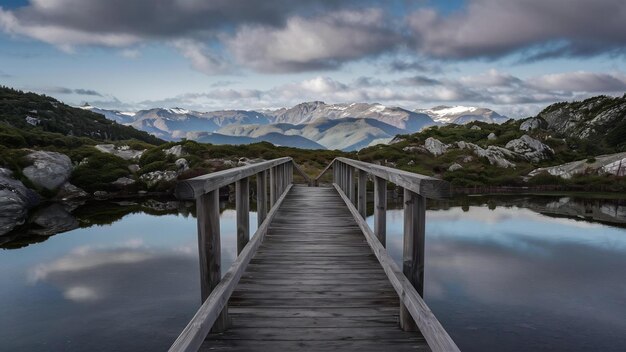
(462,114)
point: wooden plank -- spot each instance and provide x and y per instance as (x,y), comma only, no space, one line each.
(242,206)
(196,331)
(315,346)
(380,209)
(193,187)
(436,336)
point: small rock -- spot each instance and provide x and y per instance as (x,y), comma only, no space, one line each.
(49,169)
(176,151)
(52,220)
(154,177)
(69,191)
(123,152)
(435,146)
(468,159)
(100,194)
(123,182)
(411,162)
(134,168)
(492,136)
(530,124)
(474,127)
(530,148)
(455,167)
(182,164)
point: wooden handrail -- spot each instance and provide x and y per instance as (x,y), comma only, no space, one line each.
(425,186)
(194,187)
(306,177)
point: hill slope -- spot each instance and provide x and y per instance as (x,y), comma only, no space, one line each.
(30,111)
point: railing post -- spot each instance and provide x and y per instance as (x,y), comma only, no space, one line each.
(380,209)
(350,185)
(208,214)
(272,186)
(242,205)
(261,196)
(362,196)
(413,250)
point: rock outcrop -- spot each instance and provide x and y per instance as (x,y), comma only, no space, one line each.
(435,146)
(532,123)
(614,164)
(70,192)
(530,148)
(455,167)
(15,200)
(49,170)
(154,177)
(176,151)
(496,155)
(123,152)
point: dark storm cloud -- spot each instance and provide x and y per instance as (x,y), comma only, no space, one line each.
(493,28)
(165,18)
(276,36)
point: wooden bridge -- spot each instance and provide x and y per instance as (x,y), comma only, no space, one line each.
(314,276)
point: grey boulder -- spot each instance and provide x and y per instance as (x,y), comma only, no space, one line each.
(49,170)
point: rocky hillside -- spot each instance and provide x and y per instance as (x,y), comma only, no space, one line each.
(29,111)
(599,119)
(582,144)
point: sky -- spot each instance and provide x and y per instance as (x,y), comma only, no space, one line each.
(515,57)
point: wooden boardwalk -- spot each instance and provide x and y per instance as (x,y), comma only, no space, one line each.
(315,276)
(314,284)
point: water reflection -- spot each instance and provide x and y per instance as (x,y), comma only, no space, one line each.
(500,274)
(127,280)
(503,277)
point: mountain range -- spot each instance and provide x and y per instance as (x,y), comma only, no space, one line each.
(310,125)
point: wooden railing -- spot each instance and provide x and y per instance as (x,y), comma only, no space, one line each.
(215,289)
(408,282)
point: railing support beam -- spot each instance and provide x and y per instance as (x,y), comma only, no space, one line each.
(261,196)
(208,213)
(380,209)
(351,193)
(413,250)
(362,196)
(242,205)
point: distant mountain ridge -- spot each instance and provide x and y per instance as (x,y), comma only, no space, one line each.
(346,126)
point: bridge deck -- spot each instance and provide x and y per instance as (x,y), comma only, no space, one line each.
(315,285)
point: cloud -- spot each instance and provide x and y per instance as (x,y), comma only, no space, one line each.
(65,90)
(492,28)
(581,82)
(492,78)
(314,43)
(5,75)
(202,59)
(418,81)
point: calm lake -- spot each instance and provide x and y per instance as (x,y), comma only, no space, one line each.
(503,273)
